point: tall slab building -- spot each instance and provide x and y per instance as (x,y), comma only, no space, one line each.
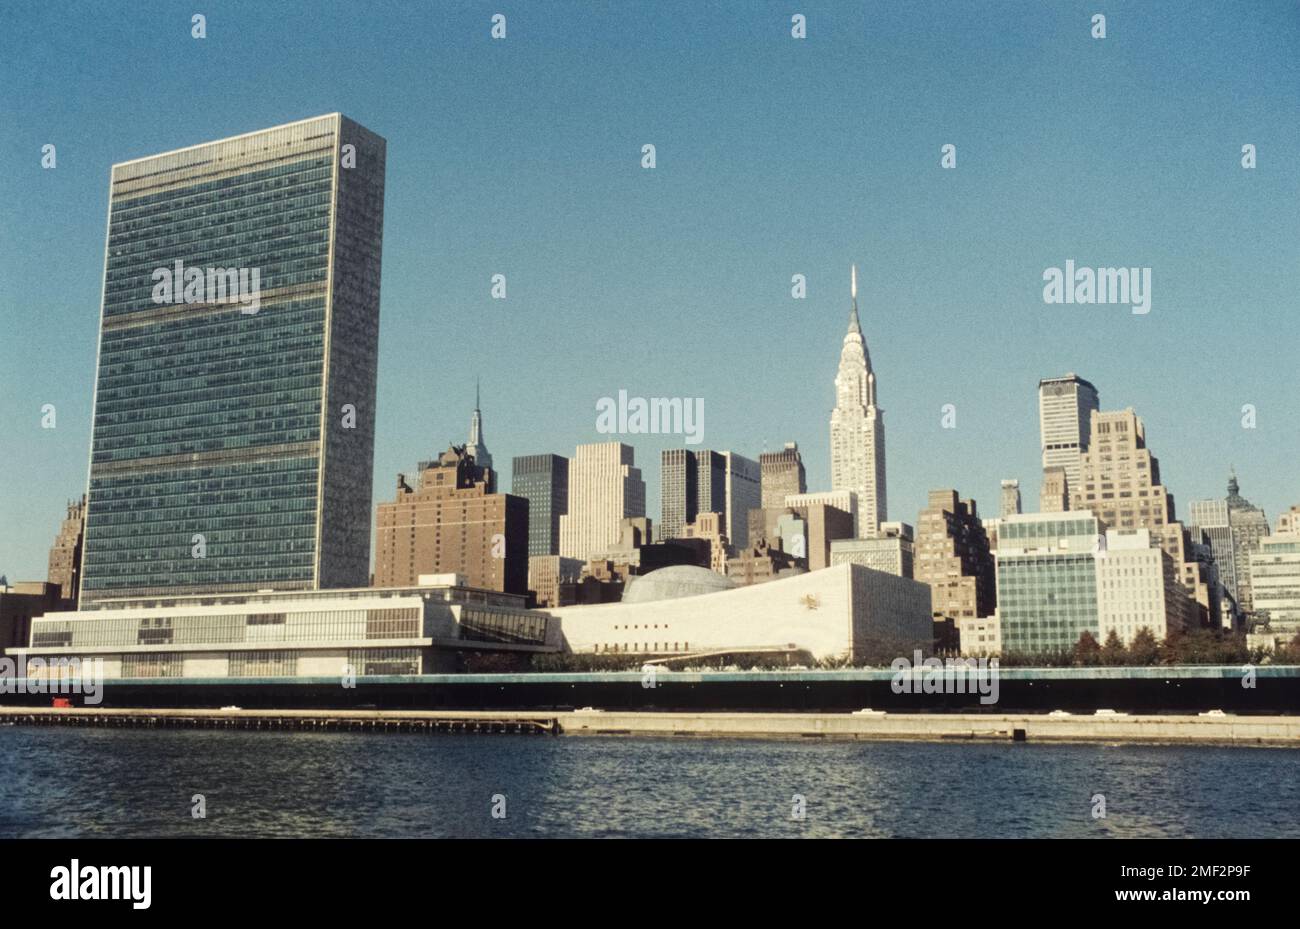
(543,480)
(233,435)
(857,428)
(1065,408)
(605,487)
(705,481)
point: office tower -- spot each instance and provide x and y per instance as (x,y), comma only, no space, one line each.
(476,447)
(1275,585)
(952,556)
(893,550)
(1213,519)
(781,474)
(744,493)
(450,523)
(65,554)
(1065,406)
(1138,587)
(542,480)
(1120,485)
(1236,527)
(1047,581)
(605,488)
(1010,498)
(857,428)
(1120,479)
(704,481)
(678,491)
(1054,496)
(234,406)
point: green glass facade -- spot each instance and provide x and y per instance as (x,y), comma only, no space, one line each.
(1046,582)
(232,449)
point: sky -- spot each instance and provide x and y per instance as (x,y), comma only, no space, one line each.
(775,156)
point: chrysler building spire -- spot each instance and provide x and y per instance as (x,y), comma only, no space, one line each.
(857,428)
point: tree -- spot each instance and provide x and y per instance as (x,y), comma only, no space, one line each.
(1087,652)
(1113,652)
(1144,650)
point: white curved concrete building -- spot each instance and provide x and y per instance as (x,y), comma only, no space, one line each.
(845,611)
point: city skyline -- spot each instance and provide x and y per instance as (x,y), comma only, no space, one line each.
(1168,366)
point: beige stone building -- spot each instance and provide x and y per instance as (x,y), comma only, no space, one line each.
(709,526)
(65,553)
(1120,484)
(605,487)
(781,474)
(953,557)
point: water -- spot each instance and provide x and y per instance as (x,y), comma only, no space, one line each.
(102,783)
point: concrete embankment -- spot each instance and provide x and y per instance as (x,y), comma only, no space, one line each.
(1252,730)
(1029,727)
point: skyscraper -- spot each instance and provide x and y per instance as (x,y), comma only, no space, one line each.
(953,558)
(781,474)
(1010,498)
(857,427)
(543,480)
(1246,525)
(476,447)
(704,481)
(234,403)
(1065,406)
(1120,484)
(65,553)
(605,487)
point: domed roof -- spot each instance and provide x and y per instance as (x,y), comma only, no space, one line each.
(673,582)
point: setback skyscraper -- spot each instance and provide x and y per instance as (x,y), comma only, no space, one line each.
(235,394)
(857,428)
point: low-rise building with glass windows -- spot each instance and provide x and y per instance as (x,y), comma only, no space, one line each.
(1047,580)
(294,634)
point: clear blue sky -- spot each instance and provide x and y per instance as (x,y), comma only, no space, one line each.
(775,157)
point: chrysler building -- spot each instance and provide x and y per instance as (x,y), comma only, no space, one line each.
(857,430)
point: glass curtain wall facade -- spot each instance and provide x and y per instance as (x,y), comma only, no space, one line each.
(233,441)
(543,480)
(1046,582)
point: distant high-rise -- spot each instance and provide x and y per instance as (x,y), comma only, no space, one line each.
(451,523)
(1246,525)
(704,481)
(1065,407)
(543,480)
(234,410)
(605,487)
(1119,483)
(65,553)
(952,556)
(782,473)
(858,428)
(1054,496)
(1010,498)
(476,447)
